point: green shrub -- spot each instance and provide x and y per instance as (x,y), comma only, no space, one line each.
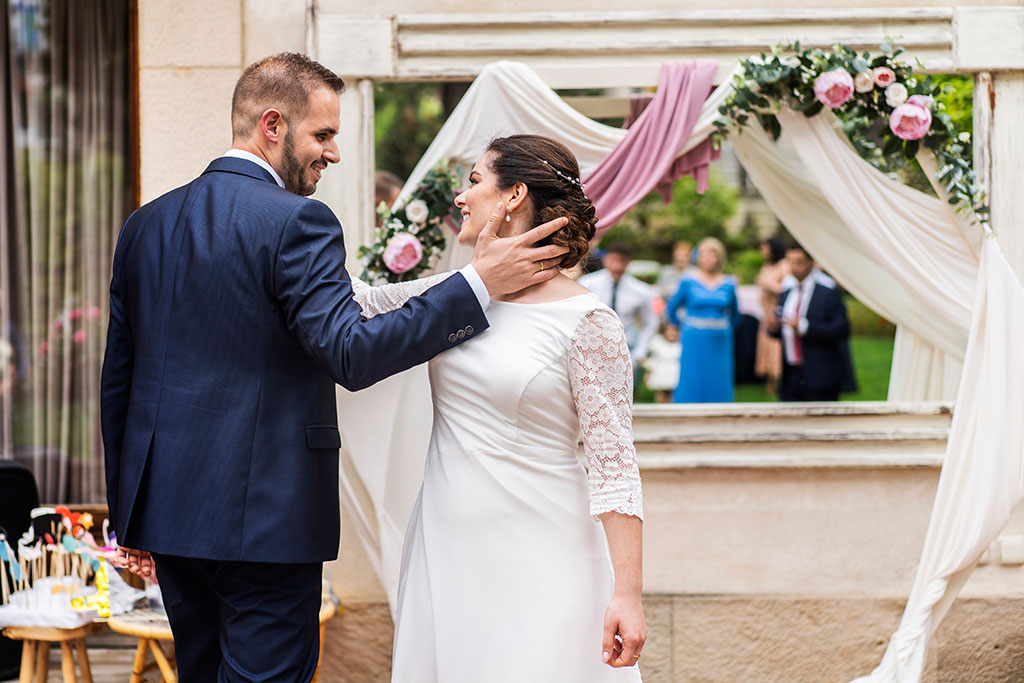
(866,323)
(745,265)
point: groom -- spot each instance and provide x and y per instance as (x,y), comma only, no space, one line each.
(231,321)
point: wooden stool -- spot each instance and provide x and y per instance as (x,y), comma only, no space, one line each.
(35,651)
(150,627)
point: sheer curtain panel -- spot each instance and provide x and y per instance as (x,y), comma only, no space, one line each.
(65,192)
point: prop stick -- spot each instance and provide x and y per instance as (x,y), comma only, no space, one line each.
(3,575)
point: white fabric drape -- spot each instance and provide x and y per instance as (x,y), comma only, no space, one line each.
(922,372)
(799,203)
(982,476)
(385,431)
(385,446)
(508,98)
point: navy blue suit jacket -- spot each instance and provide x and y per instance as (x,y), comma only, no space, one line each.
(231,320)
(825,351)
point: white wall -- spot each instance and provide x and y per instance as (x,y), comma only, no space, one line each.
(191,52)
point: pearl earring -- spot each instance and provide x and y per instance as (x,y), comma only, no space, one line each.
(508,216)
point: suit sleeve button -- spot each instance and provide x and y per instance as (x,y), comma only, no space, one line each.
(452,338)
(461,334)
(469,329)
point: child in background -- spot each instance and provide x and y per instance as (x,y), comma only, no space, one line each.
(662,363)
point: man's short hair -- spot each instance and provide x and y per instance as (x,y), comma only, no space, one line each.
(386,184)
(796,246)
(623,249)
(284,82)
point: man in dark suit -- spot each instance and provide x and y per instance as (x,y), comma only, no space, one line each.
(811,320)
(231,320)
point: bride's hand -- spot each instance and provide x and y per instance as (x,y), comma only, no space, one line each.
(625,631)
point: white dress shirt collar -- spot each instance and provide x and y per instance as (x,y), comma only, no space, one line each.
(259,161)
(801,294)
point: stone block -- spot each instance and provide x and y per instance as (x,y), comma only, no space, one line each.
(185,121)
(656,661)
(190,33)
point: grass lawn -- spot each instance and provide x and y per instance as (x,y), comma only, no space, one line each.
(872,358)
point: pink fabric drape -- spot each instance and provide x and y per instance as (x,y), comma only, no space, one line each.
(648,157)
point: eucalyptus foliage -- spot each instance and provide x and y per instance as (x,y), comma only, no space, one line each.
(437,189)
(786,78)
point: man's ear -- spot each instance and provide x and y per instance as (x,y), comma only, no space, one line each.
(273,126)
(518,198)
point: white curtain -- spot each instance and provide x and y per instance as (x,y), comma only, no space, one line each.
(800,204)
(508,98)
(900,251)
(928,298)
(65,154)
(982,476)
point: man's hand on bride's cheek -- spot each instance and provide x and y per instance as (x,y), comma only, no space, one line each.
(507,265)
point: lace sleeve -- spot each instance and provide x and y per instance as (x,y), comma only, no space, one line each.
(601,380)
(384,298)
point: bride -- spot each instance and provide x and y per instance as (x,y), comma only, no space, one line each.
(505,573)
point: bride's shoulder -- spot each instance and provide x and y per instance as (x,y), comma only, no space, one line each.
(594,316)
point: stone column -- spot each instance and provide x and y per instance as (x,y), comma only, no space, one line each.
(348,186)
(190,55)
(1006,195)
(988,42)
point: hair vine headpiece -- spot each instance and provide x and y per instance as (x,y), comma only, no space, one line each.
(575,181)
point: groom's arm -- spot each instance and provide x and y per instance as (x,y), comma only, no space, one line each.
(115,389)
(315,293)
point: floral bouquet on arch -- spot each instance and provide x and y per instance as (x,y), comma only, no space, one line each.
(411,237)
(885,109)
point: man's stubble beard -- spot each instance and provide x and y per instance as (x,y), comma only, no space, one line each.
(293,170)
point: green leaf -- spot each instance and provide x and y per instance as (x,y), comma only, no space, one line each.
(910,149)
(814,109)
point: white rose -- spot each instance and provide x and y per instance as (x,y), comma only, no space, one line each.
(863,82)
(896,94)
(417,211)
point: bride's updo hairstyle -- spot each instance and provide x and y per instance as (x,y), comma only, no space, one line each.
(552,176)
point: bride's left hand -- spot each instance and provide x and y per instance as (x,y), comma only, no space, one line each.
(625,631)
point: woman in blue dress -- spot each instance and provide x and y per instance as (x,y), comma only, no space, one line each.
(709,300)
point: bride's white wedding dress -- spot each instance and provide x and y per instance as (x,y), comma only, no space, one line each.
(505,570)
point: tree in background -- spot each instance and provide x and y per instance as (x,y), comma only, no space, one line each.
(652,227)
(407,118)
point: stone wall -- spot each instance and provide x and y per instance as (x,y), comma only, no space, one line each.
(191,52)
(756,639)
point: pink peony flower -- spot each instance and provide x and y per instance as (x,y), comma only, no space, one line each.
(92,312)
(923,101)
(832,88)
(864,82)
(79,336)
(912,119)
(883,76)
(44,347)
(402,253)
(75,314)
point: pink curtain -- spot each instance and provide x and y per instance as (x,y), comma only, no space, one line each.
(648,157)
